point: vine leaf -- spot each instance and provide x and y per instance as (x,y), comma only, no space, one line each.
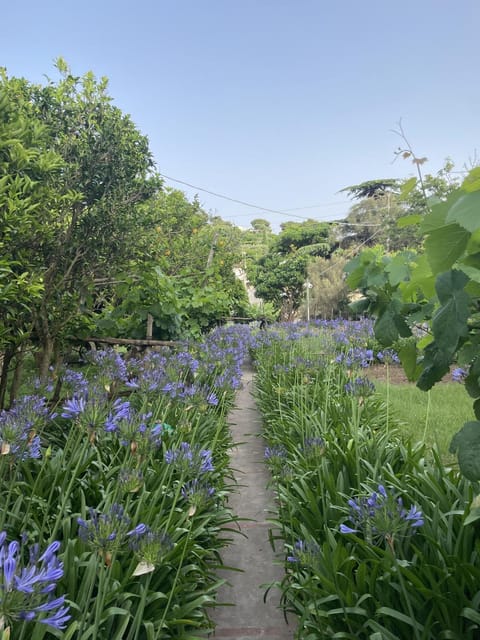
(449,323)
(390,325)
(445,245)
(398,268)
(436,364)
(465,211)
(408,355)
(466,443)
(472,181)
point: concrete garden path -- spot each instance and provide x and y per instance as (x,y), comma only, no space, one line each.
(250,618)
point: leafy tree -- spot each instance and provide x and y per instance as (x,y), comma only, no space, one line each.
(197,253)
(279,279)
(329,292)
(259,225)
(138,295)
(382,204)
(372,220)
(432,301)
(279,275)
(372,188)
(28,201)
(91,225)
(311,237)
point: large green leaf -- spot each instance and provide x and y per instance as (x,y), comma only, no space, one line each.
(450,321)
(390,324)
(407,188)
(472,181)
(471,272)
(438,214)
(360,306)
(466,443)
(468,353)
(421,279)
(472,381)
(407,221)
(409,358)
(445,245)
(465,212)
(386,331)
(398,268)
(366,270)
(436,364)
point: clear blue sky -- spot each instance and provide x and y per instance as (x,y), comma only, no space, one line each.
(279,103)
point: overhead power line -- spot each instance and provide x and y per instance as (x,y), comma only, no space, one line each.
(219,195)
(285,212)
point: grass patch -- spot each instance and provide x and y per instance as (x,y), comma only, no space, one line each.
(433,416)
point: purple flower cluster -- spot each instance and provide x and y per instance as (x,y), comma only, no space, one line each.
(196,394)
(134,429)
(313,446)
(356,356)
(360,386)
(105,532)
(459,374)
(222,353)
(388,356)
(26,589)
(381,516)
(147,373)
(348,331)
(275,453)
(149,546)
(75,381)
(276,457)
(110,367)
(19,425)
(120,411)
(305,553)
(130,480)
(197,492)
(190,460)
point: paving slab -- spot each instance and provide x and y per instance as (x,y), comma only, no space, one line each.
(251,616)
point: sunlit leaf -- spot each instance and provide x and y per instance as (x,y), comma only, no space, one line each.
(407,221)
(466,212)
(398,268)
(472,181)
(445,245)
(407,188)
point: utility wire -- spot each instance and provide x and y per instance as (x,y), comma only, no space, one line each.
(285,212)
(219,195)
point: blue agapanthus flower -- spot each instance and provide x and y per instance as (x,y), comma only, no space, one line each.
(27,586)
(381,516)
(19,425)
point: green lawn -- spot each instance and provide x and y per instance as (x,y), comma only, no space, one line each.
(434,416)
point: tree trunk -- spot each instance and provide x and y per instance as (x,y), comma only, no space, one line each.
(43,357)
(17,376)
(59,383)
(7,359)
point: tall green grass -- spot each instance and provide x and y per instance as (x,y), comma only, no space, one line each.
(431,417)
